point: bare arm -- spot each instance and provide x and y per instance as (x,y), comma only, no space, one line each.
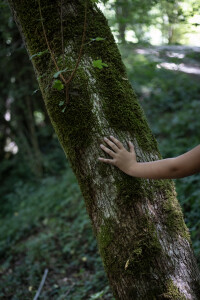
(181,166)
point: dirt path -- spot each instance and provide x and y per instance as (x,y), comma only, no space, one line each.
(178,58)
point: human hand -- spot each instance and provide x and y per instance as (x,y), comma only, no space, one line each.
(122,159)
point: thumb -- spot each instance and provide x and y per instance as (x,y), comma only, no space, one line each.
(131,147)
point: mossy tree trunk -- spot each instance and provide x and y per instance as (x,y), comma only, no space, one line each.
(142,238)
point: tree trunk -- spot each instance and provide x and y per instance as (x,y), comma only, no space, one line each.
(142,238)
(37,161)
(121,11)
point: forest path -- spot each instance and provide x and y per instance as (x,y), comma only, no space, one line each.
(185,59)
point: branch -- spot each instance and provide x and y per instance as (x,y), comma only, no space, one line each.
(41,284)
(61,76)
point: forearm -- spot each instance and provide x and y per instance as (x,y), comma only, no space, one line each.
(160,169)
(181,166)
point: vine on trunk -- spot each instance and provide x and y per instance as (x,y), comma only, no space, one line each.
(69,79)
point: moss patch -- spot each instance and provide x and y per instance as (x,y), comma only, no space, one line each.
(146,247)
(137,257)
(129,190)
(173,215)
(105,237)
(172,292)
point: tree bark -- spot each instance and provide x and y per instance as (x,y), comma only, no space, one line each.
(143,241)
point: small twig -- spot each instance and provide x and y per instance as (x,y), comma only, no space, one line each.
(49,45)
(41,284)
(61,17)
(67,82)
(69,290)
(82,44)
(79,57)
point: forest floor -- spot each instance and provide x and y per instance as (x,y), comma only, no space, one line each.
(185,59)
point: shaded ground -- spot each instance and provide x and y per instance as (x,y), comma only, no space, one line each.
(178,58)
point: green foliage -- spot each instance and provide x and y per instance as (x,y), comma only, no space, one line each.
(61,103)
(97,39)
(39,53)
(58,85)
(49,228)
(173,19)
(99,64)
(63,110)
(59,72)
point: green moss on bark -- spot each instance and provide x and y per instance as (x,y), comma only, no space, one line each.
(172,213)
(174,218)
(172,292)
(105,237)
(123,112)
(146,247)
(129,190)
(135,260)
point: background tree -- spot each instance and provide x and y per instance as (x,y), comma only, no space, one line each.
(16,101)
(172,18)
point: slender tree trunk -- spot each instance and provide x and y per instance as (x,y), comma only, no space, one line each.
(121,10)
(142,238)
(37,162)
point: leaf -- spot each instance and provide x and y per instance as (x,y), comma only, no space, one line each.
(126,265)
(97,295)
(105,65)
(39,77)
(99,39)
(61,103)
(63,110)
(59,72)
(58,85)
(84,258)
(35,91)
(39,53)
(99,64)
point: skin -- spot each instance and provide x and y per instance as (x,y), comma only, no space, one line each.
(181,166)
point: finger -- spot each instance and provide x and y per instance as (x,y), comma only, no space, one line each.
(110,152)
(109,161)
(117,142)
(132,149)
(111,144)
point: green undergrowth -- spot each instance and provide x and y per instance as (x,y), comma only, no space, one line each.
(48,227)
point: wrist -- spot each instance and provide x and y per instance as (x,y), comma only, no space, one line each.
(134,169)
